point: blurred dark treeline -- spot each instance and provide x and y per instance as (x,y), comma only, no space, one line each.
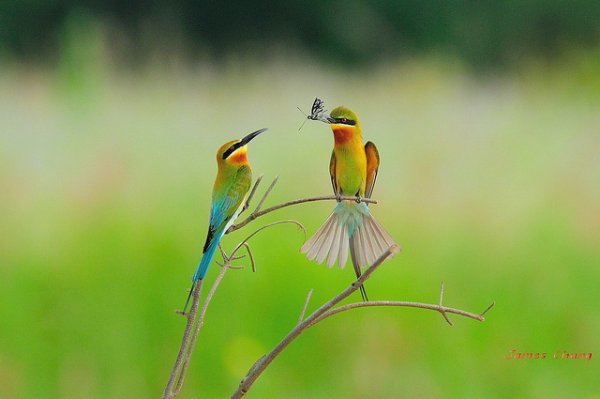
(349,32)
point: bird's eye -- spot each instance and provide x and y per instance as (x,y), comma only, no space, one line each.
(344,120)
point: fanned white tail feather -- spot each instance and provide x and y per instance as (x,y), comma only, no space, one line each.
(350,226)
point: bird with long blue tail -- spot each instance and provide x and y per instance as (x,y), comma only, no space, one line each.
(350,227)
(230,191)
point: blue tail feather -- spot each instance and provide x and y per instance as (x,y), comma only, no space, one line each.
(207,258)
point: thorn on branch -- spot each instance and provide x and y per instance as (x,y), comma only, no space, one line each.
(267,192)
(441,305)
(252,192)
(252,263)
(228,265)
(303,311)
(491,305)
(223,254)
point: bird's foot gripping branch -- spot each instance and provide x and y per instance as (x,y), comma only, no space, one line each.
(197,312)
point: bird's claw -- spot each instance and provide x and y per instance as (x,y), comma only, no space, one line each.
(338,197)
(358,199)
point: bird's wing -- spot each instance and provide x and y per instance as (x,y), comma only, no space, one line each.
(332,172)
(372,167)
(224,208)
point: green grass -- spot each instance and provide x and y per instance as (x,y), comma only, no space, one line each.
(490,184)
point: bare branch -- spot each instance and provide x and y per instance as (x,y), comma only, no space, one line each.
(257,369)
(198,326)
(257,214)
(328,310)
(437,308)
(176,371)
(194,321)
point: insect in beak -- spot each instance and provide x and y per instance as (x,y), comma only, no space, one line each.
(317,112)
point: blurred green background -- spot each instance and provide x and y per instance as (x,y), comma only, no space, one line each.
(486,118)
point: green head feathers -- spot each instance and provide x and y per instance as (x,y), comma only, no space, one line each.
(343,115)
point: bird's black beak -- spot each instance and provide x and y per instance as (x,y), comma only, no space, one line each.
(329,120)
(249,137)
(242,142)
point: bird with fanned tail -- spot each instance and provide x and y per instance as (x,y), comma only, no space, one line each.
(350,227)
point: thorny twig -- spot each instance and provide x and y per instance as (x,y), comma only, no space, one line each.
(198,325)
(177,367)
(328,310)
(194,321)
(264,361)
(438,308)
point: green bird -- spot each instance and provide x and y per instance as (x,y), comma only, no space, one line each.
(353,169)
(230,191)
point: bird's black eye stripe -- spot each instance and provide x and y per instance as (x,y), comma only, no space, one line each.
(345,121)
(230,150)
